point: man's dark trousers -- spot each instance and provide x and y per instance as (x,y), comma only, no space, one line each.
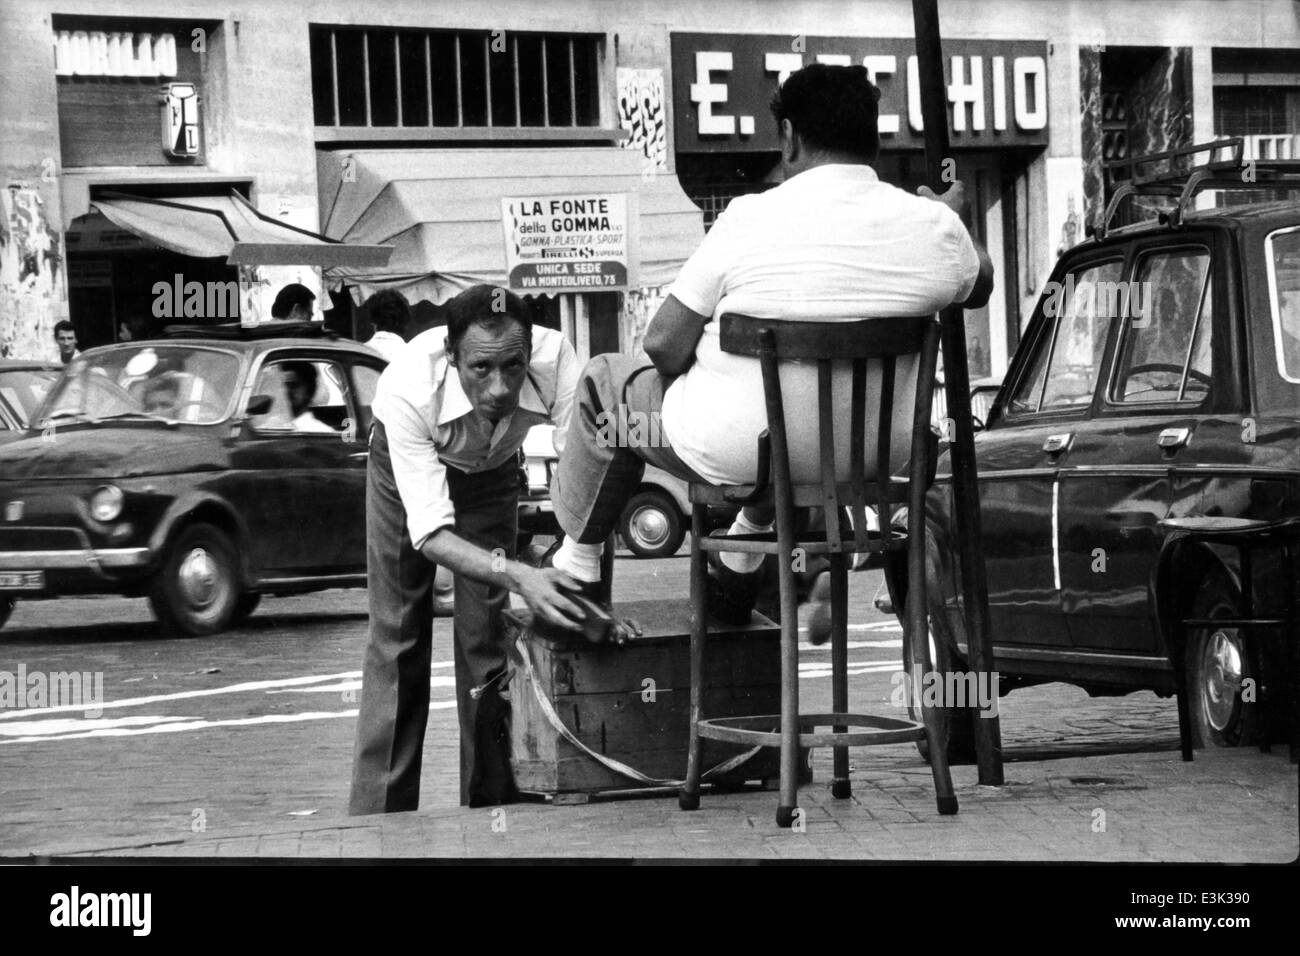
(395,684)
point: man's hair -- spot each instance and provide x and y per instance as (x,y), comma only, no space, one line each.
(831,108)
(485,305)
(306,371)
(64,326)
(388,311)
(294,294)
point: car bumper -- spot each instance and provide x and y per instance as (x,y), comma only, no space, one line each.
(89,559)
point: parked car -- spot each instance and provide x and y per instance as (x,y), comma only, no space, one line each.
(23,386)
(1185,402)
(176,469)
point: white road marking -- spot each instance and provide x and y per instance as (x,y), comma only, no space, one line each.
(184,724)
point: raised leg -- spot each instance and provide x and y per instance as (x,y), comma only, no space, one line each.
(689,798)
(839,571)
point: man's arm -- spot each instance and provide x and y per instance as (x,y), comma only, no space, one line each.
(539,587)
(979,295)
(672,335)
(955,199)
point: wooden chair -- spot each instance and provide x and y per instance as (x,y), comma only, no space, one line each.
(857,342)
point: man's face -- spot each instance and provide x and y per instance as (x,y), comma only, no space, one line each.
(67,342)
(492,362)
(298,390)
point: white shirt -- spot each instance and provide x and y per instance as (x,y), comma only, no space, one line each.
(387,344)
(308,422)
(831,242)
(430,422)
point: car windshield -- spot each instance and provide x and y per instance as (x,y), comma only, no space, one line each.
(1284,277)
(23,389)
(174,383)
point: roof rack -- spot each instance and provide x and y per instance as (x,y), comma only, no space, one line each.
(1183,184)
(251,333)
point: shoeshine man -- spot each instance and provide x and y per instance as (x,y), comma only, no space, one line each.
(831,241)
(442,488)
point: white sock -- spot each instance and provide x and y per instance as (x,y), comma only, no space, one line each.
(580,560)
(743,562)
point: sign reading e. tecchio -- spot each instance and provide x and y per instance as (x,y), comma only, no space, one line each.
(570,243)
(723,86)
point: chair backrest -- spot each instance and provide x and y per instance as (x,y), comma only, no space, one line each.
(828,343)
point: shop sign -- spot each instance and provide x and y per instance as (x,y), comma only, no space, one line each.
(570,243)
(100,53)
(180,119)
(723,85)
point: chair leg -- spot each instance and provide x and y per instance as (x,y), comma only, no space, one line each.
(918,634)
(1180,691)
(689,797)
(789,671)
(840,786)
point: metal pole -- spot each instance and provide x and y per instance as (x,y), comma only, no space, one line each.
(965,489)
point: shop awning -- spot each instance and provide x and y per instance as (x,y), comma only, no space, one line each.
(229,227)
(441,210)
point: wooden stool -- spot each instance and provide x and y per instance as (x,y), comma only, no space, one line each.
(1248,536)
(773,341)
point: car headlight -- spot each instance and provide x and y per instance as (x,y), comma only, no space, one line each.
(106,503)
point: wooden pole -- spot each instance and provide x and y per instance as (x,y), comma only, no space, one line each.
(965,489)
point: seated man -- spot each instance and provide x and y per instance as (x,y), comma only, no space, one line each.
(831,241)
(300,381)
(161,395)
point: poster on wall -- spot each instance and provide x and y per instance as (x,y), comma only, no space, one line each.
(570,243)
(642,113)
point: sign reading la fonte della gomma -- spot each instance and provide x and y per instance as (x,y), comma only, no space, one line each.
(570,243)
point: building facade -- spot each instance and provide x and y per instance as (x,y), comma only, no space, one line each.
(575,151)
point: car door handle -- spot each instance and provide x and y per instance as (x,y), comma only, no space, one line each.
(1171,439)
(1055,444)
(360,455)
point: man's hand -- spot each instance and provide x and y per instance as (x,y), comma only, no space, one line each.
(955,199)
(543,590)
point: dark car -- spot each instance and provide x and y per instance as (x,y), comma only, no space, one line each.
(1182,402)
(177,469)
(23,386)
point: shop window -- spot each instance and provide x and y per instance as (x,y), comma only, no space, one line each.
(465,78)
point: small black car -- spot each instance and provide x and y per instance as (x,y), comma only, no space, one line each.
(200,471)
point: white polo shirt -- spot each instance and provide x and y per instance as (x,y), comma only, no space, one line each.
(832,242)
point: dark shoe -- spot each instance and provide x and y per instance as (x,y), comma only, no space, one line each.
(731,594)
(599,623)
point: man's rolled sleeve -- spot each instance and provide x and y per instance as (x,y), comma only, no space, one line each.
(701,284)
(418,472)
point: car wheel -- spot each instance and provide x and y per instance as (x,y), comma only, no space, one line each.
(197,589)
(245,606)
(651,525)
(6,608)
(1221,681)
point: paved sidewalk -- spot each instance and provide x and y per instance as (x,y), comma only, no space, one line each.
(1226,806)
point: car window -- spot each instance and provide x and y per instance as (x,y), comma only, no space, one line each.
(177,383)
(365,380)
(24,390)
(1283,260)
(308,396)
(1164,353)
(1063,371)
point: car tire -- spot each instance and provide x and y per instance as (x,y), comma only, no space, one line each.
(651,525)
(196,591)
(6,608)
(245,606)
(1217,663)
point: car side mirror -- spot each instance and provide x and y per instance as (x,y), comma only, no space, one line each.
(259,405)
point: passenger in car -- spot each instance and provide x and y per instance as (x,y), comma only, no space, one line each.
(300,381)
